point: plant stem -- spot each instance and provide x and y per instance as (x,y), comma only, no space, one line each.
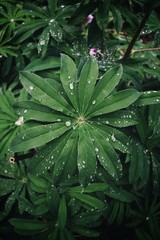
(138,31)
(145,50)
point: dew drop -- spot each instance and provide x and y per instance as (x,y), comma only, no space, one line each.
(31,88)
(20,121)
(113,138)
(71,86)
(96,149)
(68,123)
(93,102)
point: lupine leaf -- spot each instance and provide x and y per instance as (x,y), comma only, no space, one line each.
(65,163)
(106,154)
(87,81)
(106,84)
(147,98)
(39,64)
(117,101)
(86,156)
(68,75)
(35,111)
(45,93)
(121,118)
(62,213)
(37,136)
(28,224)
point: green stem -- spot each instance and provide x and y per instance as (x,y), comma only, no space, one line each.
(138,31)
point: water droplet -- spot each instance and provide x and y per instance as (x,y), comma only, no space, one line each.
(42,42)
(31,88)
(93,102)
(96,149)
(71,86)
(113,138)
(68,123)
(20,121)
(25,111)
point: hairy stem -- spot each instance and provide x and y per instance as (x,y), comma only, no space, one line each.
(138,31)
(145,50)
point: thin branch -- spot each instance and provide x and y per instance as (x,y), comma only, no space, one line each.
(138,31)
(145,50)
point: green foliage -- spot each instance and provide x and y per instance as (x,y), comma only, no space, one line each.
(79,119)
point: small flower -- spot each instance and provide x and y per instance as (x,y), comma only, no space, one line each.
(93,52)
(89,19)
(12,160)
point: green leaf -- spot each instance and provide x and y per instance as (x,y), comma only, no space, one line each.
(35,111)
(37,136)
(106,84)
(115,102)
(62,213)
(85,232)
(28,28)
(106,154)
(89,200)
(65,164)
(116,138)
(7,186)
(139,166)
(156,174)
(92,187)
(87,81)
(40,64)
(52,5)
(37,181)
(28,224)
(147,98)
(45,93)
(43,42)
(121,118)
(117,18)
(86,156)
(53,199)
(68,77)
(55,30)
(48,155)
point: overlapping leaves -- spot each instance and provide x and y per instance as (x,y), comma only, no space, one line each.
(81,107)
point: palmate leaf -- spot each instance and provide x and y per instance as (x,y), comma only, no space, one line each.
(122,118)
(45,158)
(65,164)
(42,91)
(87,81)
(86,156)
(147,98)
(115,102)
(35,111)
(68,77)
(115,137)
(28,224)
(106,84)
(139,166)
(37,136)
(79,130)
(106,154)
(39,64)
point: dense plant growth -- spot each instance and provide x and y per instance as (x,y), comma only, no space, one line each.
(80,119)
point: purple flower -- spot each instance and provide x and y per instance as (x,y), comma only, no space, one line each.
(93,51)
(89,19)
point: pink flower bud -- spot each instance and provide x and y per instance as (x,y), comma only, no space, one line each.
(89,19)
(93,52)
